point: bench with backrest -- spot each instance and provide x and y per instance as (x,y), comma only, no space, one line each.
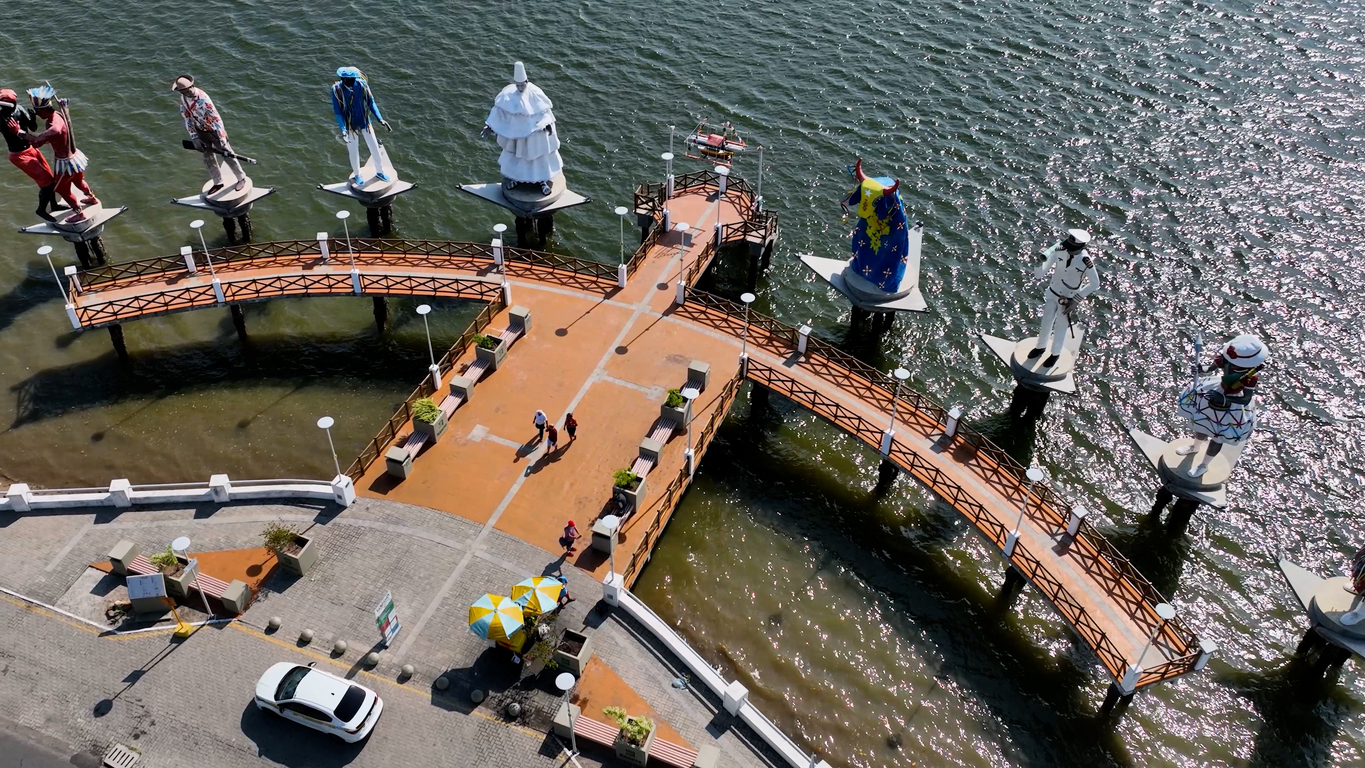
(698,374)
(458,393)
(232,597)
(661,751)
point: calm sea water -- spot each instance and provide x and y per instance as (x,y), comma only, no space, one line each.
(1212,147)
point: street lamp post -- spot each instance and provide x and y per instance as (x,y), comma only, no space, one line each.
(498,253)
(198,226)
(621,212)
(424,310)
(747,298)
(565,682)
(681,228)
(325,423)
(1035,476)
(181,547)
(1165,612)
(901,375)
(46,252)
(345,227)
(690,393)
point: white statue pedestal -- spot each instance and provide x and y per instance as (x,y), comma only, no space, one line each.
(1030,373)
(1330,604)
(231,205)
(84,235)
(374,193)
(533,209)
(864,294)
(530,196)
(1174,470)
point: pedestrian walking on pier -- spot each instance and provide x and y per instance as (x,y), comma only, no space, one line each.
(564,597)
(553,441)
(570,536)
(540,420)
(571,426)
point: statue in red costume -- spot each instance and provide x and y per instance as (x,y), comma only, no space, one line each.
(14,122)
(67,160)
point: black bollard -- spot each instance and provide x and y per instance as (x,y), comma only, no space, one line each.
(887,472)
(116,336)
(83,253)
(238,320)
(381,313)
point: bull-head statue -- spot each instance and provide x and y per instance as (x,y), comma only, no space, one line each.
(881,238)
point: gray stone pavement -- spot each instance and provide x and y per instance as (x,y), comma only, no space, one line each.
(189,702)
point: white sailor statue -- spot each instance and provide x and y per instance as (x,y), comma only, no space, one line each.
(1221,407)
(1073,278)
(353,104)
(524,123)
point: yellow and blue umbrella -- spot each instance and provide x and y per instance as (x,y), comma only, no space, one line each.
(538,594)
(494,617)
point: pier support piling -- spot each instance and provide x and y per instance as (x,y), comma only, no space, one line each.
(859,317)
(386,219)
(1115,703)
(1013,585)
(116,336)
(1028,404)
(1163,498)
(83,254)
(238,320)
(1181,513)
(372,219)
(758,398)
(230,229)
(381,313)
(887,472)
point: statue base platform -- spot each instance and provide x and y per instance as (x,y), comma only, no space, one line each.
(1030,373)
(1326,601)
(373,193)
(1173,469)
(96,217)
(226,202)
(866,295)
(527,200)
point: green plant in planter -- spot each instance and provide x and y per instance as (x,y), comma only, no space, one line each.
(485,341)
(635,729)
(164,560)
(425,410)
(624,478)
(675,399)
(277,536)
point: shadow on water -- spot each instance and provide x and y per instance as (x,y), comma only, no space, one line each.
(1154,547)
(1301,713)
(34,290)
(218,364)
(1040,698)
(1016,436)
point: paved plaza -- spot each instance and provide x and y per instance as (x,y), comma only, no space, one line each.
(189,702)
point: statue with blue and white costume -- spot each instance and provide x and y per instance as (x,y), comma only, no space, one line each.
(353,105)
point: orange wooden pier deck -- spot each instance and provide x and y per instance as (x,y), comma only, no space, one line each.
(608,354)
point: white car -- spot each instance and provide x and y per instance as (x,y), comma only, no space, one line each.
(319,700)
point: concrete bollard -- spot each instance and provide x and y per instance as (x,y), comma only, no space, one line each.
(339,647)
(306,636)
(371,659)
(73,317)
(343,491)
(121,493)
(681,297)
(621,274)
(218,291)
(188,254)
(72,279)
(497,251)
(735,697)
(20,500)
(954,417)
(274,623)
(722,176)
(1206,649)
(407,671)
(322,246)
(442,683)
(1073,525)
(802,338)
(612,586)
(221,488)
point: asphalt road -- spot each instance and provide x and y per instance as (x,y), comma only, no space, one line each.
(20,748)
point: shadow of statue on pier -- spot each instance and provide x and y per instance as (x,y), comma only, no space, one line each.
(1045,700)
(1301,712)
(155,374)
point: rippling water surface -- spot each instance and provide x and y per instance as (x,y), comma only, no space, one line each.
(1213,148)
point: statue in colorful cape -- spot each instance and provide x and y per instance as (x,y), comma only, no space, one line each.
(1221,407)
(68,162)
(881,238)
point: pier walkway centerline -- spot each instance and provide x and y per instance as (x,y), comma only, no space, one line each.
(620,347)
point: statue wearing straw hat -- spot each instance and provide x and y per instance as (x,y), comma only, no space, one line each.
(207,132)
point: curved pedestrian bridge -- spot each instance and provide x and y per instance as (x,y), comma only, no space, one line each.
(608,353)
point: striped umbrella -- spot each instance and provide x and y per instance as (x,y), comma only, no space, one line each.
(538,594)
(494,617)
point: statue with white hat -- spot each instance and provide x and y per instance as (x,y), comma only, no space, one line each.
(1074,277)
(523,120)
(1221,406)
(353,105)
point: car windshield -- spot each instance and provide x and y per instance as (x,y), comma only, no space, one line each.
(290,683)
(350,703)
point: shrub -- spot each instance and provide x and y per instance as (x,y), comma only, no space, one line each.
(487,342)
(425,410)
(675,399)
(278,536)
(636,729)
(164,560)
(624,478)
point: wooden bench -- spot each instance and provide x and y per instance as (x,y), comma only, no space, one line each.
(668,753)
(661,431)
(661,752)
(207,585)
(413,445)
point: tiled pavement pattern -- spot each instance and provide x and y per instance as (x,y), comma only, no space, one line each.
(189,703)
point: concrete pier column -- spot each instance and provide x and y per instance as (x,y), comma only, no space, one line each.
(116,336)
(545,226)
(97,251)
(372,219)
(1028,404)
(1163,498)
(526,230)
(1013,585)
(83,254)
(381,313)
(386,219)
(238,320)
(230,229)
(1181,514)
(887,472)
(1115,703)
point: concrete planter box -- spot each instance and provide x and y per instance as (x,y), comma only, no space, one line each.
(398,462)
(631,753)
(179,585)
(236,597)
(495,356)
(570,660)
(682,414)
(302,561)
(432,430)
(635,498)
(122,554)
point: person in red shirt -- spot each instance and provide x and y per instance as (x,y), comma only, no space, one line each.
(571,426)
(68,161)
(14,122)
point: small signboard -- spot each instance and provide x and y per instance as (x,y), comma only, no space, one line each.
(140,587)
(386,618)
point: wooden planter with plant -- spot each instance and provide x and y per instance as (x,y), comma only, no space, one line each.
(427,418)
(635,737)
(677,408)
(175,570)
(629,486)
(490,349)
(296,553)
